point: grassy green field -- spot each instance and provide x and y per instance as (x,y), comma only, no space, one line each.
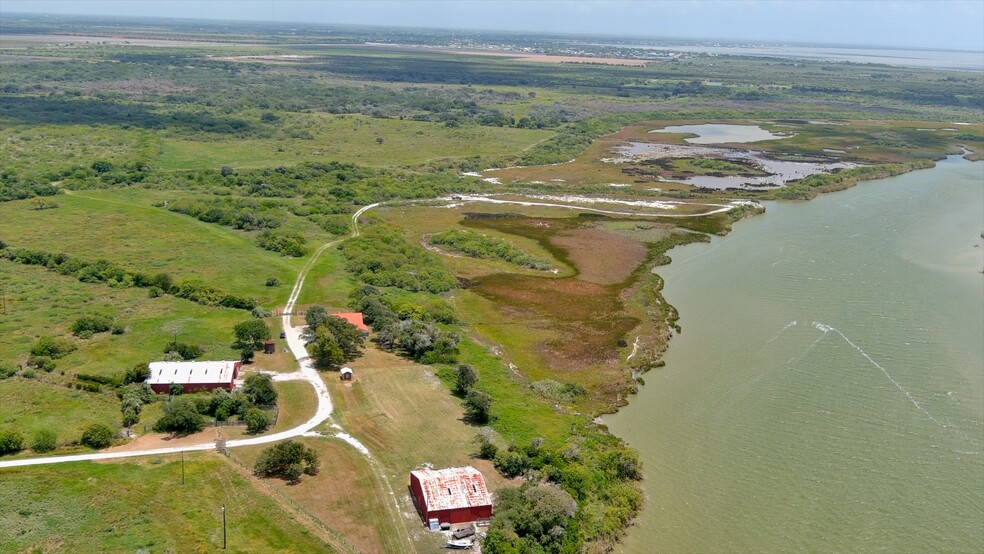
(350,138)
(296,401)
(346,495)
(141,506)
(41,148)
(123,227)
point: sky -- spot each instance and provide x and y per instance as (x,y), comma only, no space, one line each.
(944,24)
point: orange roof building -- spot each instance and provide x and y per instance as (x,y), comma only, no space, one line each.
(355,318)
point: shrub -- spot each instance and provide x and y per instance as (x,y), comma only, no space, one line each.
(44,440)
(478,406)
(44,363)
(288,243)
(6,371)
(88,325)
(97,436)
(465,379)
(10,441)
(136,374)
(185,351)
(53,347)
(477,245)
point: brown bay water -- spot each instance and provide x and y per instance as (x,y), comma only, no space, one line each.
(827,391)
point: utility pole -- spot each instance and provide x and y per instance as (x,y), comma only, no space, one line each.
(182,467)
(223,528)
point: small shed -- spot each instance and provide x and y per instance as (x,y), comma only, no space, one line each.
(452,495)
(345,373)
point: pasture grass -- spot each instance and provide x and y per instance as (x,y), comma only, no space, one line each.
(36,149)
(346,496)
(350,138)
(122,227)
(141,506)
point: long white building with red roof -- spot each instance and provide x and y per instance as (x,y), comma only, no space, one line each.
(193,376)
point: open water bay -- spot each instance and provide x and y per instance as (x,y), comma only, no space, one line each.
(827,391)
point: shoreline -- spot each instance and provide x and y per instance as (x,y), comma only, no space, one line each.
(602,418)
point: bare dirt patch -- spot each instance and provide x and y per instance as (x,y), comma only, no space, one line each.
(164,440)
(601,257)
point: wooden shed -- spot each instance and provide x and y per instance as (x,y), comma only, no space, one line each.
(345,374)
(453,495)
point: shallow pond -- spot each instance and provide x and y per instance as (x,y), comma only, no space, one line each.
(780,171)
(717,133)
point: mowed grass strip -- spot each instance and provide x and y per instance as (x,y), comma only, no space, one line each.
(296,402)
(358,139)
(116,226)
(142,506)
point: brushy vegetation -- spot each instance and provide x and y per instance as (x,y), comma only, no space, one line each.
(478,245)
(108,273)
(382,257)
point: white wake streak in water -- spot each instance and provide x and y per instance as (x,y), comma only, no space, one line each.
(827,328)
(775,336)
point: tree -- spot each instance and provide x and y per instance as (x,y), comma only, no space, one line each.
(348,336)
(256,420)
(180,417)
(258,388)
(10,441)
(315,317)
(136,374)
(325,349)
(532,518)
(97,436)
(250,334)
(478,406)
(45,440)
(465,379)
(287,460)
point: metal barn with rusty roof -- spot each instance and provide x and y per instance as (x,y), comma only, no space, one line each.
(452,495)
